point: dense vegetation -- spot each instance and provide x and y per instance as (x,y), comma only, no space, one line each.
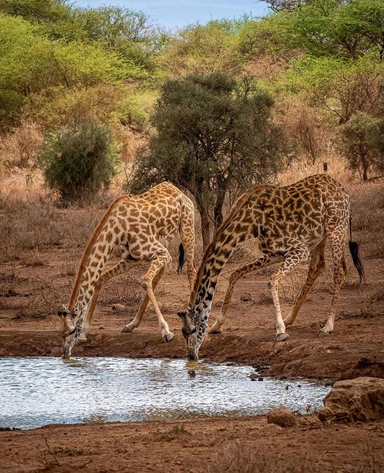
(318,64)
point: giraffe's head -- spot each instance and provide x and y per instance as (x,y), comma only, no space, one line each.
(70,330)
(193,332)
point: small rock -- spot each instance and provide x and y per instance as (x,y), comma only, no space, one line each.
(192,373)
(247,296)
(281,416)
(118,307)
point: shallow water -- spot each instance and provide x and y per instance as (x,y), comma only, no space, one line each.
(40,391)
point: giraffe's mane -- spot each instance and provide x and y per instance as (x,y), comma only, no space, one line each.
(240,202)
(88,249)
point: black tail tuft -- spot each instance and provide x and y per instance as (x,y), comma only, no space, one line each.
(354,249)
(181,258)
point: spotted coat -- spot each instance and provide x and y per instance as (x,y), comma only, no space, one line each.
(140,226)
(292,225)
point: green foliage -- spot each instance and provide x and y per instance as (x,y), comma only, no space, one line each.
(203,48)
(126,32)
(340,87)
(136,107)
(363,144)
(31,64)
(79,160)
(346,29)
(37,11)
(214,136)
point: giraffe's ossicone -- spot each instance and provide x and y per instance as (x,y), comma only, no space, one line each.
(292,224)
(140,226)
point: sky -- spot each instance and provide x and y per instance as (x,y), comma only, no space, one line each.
(174,14)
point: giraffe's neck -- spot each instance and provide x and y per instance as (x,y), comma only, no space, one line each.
(90,271)
(97,236)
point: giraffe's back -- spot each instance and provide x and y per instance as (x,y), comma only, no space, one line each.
(155,214)
(303,210)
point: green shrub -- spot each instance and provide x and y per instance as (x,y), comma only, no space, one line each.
(78,160)
(361,140)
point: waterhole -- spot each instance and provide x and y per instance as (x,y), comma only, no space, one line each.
(39,391)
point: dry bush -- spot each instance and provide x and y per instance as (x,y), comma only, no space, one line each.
(34,223)
(125,289)
(19,148)
(27,226)
(301,168)
(39,300)
(305,127)
(43,302)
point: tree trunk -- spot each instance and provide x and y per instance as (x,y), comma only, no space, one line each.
(218,211)
(205,228)
(365,165)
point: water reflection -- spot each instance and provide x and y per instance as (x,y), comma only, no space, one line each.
(39,391)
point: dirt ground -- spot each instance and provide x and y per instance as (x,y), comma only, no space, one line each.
(32,282)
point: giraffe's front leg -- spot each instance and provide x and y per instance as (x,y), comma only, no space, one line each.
(281,336)
(263,261)
(291,259)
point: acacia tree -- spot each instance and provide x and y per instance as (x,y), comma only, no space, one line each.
(214,136)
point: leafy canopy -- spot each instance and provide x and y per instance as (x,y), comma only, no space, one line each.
(213,137)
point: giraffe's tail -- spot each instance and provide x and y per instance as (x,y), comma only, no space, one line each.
(181,258)
(354,249)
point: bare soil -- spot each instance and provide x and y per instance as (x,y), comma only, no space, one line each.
(33,284)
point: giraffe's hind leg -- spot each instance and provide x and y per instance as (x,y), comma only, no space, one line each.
(339,275)
(159,257)
(263,261)
(316,267)
(291,259)
(140,313)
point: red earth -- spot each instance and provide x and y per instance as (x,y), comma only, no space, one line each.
(33,285)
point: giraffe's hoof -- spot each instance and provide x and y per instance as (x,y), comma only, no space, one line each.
(281,337)
(214,331)
(287,322)
(322,334)
(81,340)
(168,337)
(127,329)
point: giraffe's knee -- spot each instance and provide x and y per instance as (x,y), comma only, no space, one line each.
(146,283)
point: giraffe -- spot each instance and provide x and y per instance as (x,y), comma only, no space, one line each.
(138,225)
(292,225)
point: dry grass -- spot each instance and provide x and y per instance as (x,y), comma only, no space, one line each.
(31,225)
(237,458)
(18,148)
(367,202)
(35,224)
